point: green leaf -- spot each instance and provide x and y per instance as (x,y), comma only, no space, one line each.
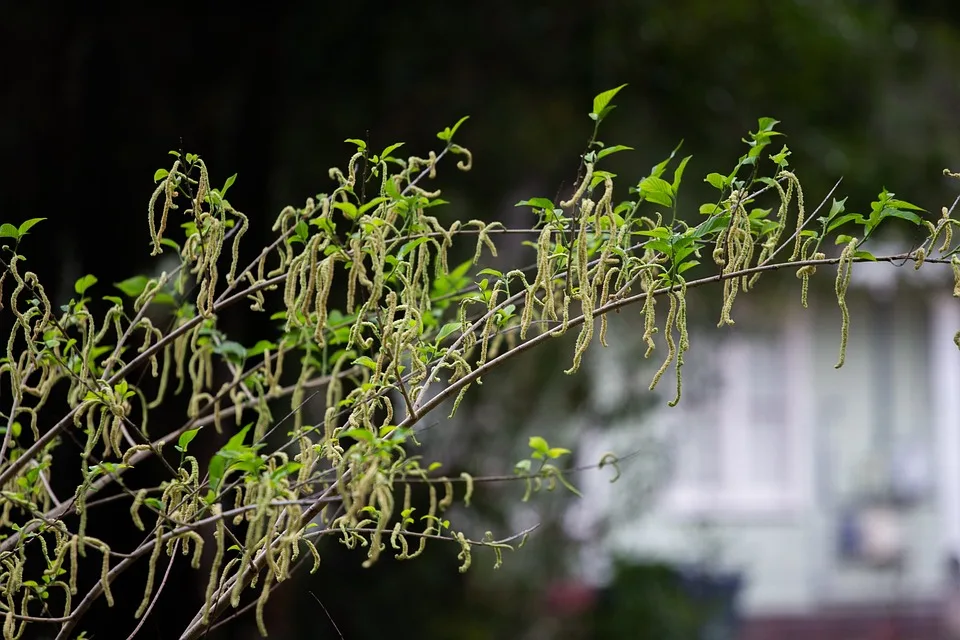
(781,158)
(537,203)
(600,176)
(539,444)
(285,470)
(903,215)
(260,347)
(218,465)
(837,207)
(302,230)
(709,208)
(556,452)
(84,283)
(235,443)
(689,264)
(896,204)
(9,231)
(26,226)
(864,255)
(409,246)
(186,438)
(602,100)
(349,209)
(361,145)
(657,190)
(357,434)
(228,184)
(162,297)
(448,132)
(231,350)
(160,174)
(678,174)
(453,131)
(603,153)
(447,329)
(134,286)
(371,204)
(716,180)
(366,361)
(390,149)
(766,125)
(844,219)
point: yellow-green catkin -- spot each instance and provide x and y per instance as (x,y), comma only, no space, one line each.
(649,311)
(668,336)
(955,265)
(844,270)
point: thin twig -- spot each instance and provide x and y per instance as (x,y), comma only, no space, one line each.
(156,596)
(329,617)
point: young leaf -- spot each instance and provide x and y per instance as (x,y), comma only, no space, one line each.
(603,153)
(678,174)
(386,152)
(602,100)
(357,434)
(84,283)
(446,330)
(9,231)
(26,226)
(185,439)
(448,132)
(231,350)
(349,209)
(844,219)
(716,181)
(227,185)
(132,287)
(538,444)
(903,215)
(366,361)
(537,203)
(235,443)
(453,131)
(657,190)
(260,347)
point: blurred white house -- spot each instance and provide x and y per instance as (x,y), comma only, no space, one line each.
(827,489)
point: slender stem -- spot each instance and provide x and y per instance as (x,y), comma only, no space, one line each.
(156,596)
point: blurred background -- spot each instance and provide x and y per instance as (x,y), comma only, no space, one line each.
(782,499)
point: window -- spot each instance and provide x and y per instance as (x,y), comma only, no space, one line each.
(741,444)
